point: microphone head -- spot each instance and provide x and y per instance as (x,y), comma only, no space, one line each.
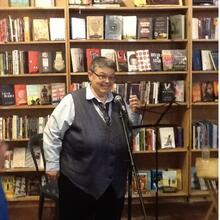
(118,98)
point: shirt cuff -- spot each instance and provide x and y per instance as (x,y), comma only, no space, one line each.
(52,166)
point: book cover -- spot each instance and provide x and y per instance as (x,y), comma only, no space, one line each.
(19,3)
(165,2)
(113,27)
(206,60)
(20,94)
(33,94)
(7,96)
(167,137)
(33,61)
(57,29)
(91,53)
(18,157)
(156,179)
(77,58)
(214,58)
(44,3)
(161,27)
(207,91)
(33,186)
(58,91)
(8,186)
(19,186)
(40,30)
(121,60)
(155,60)
(145,28)
(45,62)
(143,181)
(167,60)
(45,94)
(196,60)
(169,179)
(80,32)
(95,27)
(166,92)
(132,61)
(179,86)
(195,28)
(179,60)
(108,53)
(215,90)
(179,136)
(129,30)
(177,26)
(143,60)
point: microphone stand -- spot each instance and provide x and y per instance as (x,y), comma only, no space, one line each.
(133,168)
(156,152)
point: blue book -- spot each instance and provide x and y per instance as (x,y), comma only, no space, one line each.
(196,60)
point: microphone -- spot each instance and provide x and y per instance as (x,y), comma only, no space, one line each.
(118,99)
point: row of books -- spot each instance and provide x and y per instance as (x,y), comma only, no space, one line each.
(26,3)
(198,183)
(165,179)
(168,138)
(34,94)
(25,29)
(148,92)
(205,134)
(118,27)
(132,61)
(205,28)
(205,59)
(18,62)
(95,2)
(21,186)
(21,127)
(206,91)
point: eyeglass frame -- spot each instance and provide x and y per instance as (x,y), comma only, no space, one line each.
(104,77)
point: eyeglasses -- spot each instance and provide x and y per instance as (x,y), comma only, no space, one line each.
(104,77)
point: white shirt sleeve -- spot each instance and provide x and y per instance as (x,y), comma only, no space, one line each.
(60,120)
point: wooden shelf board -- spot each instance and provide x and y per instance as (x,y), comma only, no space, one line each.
(195,72)
(204,7)
(199,193)
(175,150)
(205,40)
(14,107)
(200,150)
(205,104)
(18,170)
(33,42)
(27,75)
(32,8)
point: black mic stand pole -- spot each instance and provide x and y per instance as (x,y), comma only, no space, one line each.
(133,168)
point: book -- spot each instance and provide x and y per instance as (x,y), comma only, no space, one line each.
(108,53)
(196,60)
(7,96)
(206,60)
(95,27)
(8,186)
(195,28)
(59,62)
(132,61)
(177,26)
(196,92)
(19,186)
(33,94)
(45,62)
(155,60)
(58,91)
(77,59)
(166,92)
(143,181)
(44,3)
(20,94)
(33,186)
(80,32)
(161,27)
(143,60)
(165,2)
(57,28)
(207,91)
(33,61)
(179,86)
(214,58)
(113,27)
(18,157)
(129,30)
(167,138)
(19,3)
(178,131)
(169,180)
(121,60)
(91,53)
(45,94)
(145,27)
(40,30)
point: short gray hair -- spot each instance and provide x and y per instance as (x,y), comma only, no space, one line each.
(102,62)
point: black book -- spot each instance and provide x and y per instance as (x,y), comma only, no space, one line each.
(214,58)
(45,64)
(166,92)
(7,96)
(203,2)
(155,59)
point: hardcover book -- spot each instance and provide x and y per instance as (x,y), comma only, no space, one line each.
(80,32)
(45,62)
(206,60)
(177,26)
(95,28)
(113,27)
(20,94)
(207,91)
(167,137)
(18,157)
(143,60)
(44,3)
(33,61)
(45,94)
(40,30)
(121,60)
(132,61)
(161,27)
(91,53)
(19,186)
(57,29)
(179,90)
(165,2)
(108,53)
(58,91)
(19,3)
(129,27)
(166,92)
(33,94)
(155,59)
(196,60)
(145,28)
(77,58)
(8,186)
(7,96)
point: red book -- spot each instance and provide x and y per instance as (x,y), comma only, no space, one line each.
(20,94)
(33,61)
(91,53)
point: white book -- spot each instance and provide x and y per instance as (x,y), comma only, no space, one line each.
(132,61)
(195,28)
(18,157)
(15,62)
(14,127)
(129,29)
(77,58)
(78,28)
(57,29)
(108,53)
(167,138)
(44,3)
(206,60)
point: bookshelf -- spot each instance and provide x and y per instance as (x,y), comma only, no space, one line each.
(202,110)
(183,114)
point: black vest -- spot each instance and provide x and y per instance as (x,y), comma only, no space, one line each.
(94,155)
